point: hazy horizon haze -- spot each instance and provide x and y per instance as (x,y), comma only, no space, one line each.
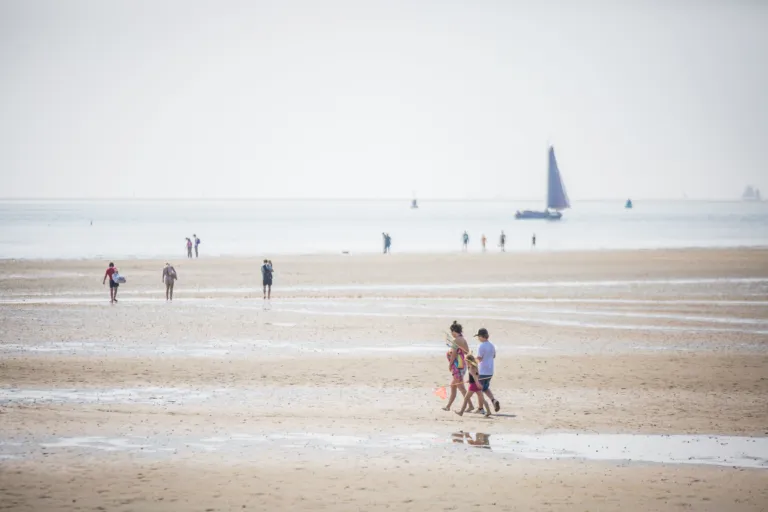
(346,99)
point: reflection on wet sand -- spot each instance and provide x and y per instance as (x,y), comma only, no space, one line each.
(479,441)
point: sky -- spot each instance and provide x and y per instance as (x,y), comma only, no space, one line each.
(382,99)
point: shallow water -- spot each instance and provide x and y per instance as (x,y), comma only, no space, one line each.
(633,284)
(62,229)
(744,452)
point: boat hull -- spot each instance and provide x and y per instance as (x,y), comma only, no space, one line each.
(546,215)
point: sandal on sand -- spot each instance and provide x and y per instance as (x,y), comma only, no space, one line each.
(487,414)
(496,405)
(446,408)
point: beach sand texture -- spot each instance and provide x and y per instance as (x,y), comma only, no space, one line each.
(323,399)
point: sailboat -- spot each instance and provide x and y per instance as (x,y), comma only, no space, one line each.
(414,204)
(557,198)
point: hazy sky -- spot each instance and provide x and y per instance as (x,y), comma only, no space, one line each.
(382,98)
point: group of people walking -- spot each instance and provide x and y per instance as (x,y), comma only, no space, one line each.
(190,244)
(169,277)
(464,242)
(484,241)
(480,368)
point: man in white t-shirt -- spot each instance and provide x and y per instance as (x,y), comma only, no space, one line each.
(486,353)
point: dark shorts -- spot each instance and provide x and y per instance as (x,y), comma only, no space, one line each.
(267,282)
(485,381)
(113,284)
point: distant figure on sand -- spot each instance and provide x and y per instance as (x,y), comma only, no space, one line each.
(112,284)
(197,243)
(475,387)
(387,243)
(464,241)
(189,248)
(486,355)
(502,241)
(169,277)
(266,278)
(457,364)
(483,240)
(533,240)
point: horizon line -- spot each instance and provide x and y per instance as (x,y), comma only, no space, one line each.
(383,199)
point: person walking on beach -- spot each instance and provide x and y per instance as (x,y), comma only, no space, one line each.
(266,279)
(486,355)
(197,243)
(533,240)
(457,364)
(169,277)
(502,241)
(189,248)
(483,240)
(387,243)
(111,270)
(474,388)
(464,241)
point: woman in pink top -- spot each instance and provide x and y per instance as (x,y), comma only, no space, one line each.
(457,364)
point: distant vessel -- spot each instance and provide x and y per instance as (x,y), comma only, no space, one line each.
(414,204)
(751,194)
(628,204)
(557,198)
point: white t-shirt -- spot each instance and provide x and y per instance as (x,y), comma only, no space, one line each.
(487,351)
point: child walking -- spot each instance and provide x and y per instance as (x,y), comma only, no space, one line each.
(475,387)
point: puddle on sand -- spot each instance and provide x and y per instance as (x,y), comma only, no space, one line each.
(746,452)
(217,348)
(149,395)
(277,398)
(751,452)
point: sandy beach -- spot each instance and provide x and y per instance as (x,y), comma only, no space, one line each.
(632,380)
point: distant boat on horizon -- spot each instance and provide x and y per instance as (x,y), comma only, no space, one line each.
(628,204)
(751,194)
(557,198)
(414,204)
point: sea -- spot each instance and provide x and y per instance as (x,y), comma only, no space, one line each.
(121,229)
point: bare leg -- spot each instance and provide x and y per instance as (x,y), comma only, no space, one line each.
(485,406)
(265,291)
(269,292)
(467,398)
(114,293)
(493,400)
(460,385)
(481,405)
(454,383)
(464,393)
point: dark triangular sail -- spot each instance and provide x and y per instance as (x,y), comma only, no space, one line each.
(557,198)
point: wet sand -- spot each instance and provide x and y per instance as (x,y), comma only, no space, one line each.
(323,399)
